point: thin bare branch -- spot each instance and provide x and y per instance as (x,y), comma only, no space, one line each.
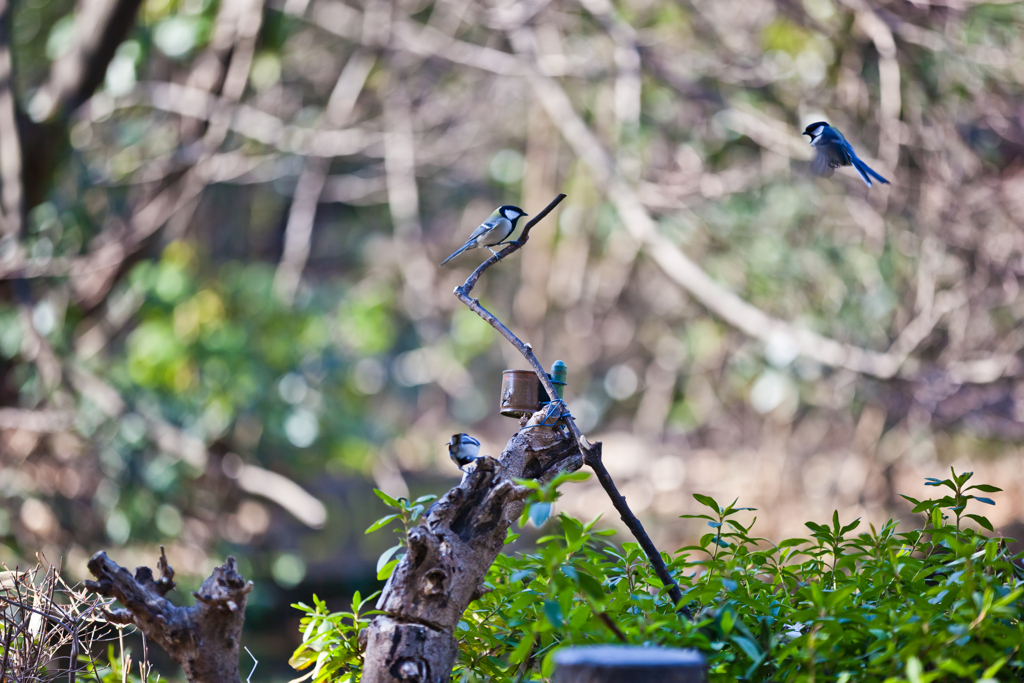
(349,86)
(247,121)
(423,41)
(42,421)
(558,412)
(298,234)
(400,164)
(281,490)
(100,26)
(11,189)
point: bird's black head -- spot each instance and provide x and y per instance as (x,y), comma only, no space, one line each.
(815,129)
(513,213)
(460,439)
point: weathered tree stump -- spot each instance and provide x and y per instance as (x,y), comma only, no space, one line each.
(629,664)
(204,638)
(449,555)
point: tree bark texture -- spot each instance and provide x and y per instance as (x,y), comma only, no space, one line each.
(204,638)
(449,555)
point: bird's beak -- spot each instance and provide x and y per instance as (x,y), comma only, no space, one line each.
(805,133)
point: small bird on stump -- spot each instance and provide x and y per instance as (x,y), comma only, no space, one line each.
(463,449)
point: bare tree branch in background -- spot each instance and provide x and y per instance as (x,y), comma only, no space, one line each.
(238,23)
(251,122)
(889,79)
(48,421)
(731,308)
(400,164)
(100,27)
(11,190)
(298,235)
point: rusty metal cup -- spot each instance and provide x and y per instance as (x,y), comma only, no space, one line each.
(520,393)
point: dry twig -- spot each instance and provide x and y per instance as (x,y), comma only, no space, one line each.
(558,411)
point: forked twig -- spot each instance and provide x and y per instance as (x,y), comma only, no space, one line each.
(591,452)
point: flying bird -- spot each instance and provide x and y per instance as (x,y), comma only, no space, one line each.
(834,151)
(493,231)
(463,449)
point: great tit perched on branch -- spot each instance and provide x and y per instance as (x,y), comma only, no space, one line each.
(493,231)
(834,151)
(463,449)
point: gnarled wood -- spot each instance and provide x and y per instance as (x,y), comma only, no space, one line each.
(204,638)
(449,555)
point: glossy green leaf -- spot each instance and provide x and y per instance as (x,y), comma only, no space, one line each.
(382,522)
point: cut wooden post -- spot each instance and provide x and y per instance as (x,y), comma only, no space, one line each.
(629,664)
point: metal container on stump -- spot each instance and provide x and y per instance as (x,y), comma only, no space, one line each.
(522,393)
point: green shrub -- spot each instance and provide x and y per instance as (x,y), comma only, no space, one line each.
(940,602)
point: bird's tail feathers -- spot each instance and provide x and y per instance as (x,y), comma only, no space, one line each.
(866,172)
(859,165)
(461,249)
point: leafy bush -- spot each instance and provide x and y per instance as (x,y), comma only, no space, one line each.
(940,602)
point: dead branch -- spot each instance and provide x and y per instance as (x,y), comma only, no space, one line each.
(11,190)
(400,164)
(424,41)
(449,555)
(298,233)
(232,47)
(250,122)
(100,26)
(42,421)
(558,411)
(28,605)
(204,638)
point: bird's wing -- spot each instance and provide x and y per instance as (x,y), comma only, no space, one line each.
(492,231)
(484,228)
(832,153)
(822,166)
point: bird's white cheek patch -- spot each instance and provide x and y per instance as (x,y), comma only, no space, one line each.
(817,131)
(512,214)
